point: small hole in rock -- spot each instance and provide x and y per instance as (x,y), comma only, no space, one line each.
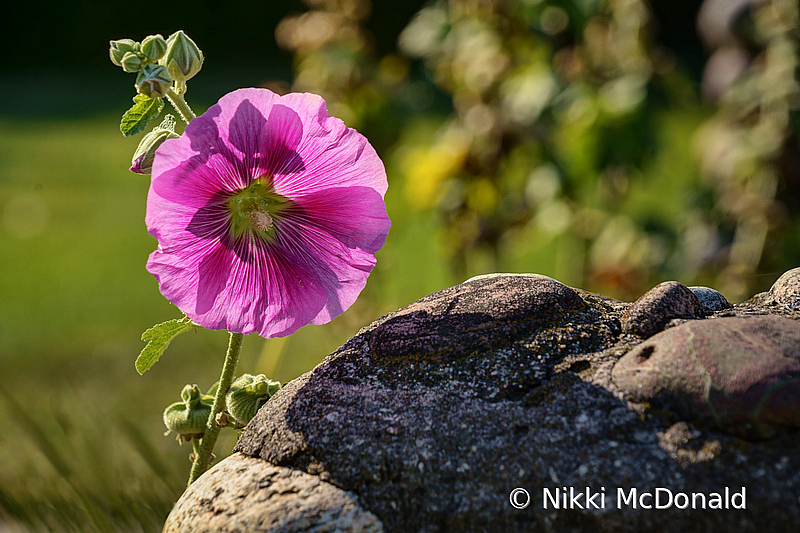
(579,366)
(646,352)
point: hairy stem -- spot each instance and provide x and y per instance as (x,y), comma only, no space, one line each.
(180,106)
(202,458)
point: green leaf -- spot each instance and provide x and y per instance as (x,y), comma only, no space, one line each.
(136,119)
(158,338)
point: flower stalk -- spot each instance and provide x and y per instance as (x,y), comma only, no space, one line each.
(195,448)
(180,105)
(203,456)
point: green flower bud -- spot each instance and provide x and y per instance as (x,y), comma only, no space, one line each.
(118,49)
(248,394)
(188,417)
(153,81)
(154,47)
(131,62)
(183,58)
(190,395)
(142,162)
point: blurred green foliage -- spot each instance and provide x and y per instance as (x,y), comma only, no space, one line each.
(560,136)
(576,139)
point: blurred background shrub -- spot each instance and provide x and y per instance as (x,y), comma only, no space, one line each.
(570,137)
(610,144)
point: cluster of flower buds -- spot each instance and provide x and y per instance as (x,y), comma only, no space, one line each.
(158,62)
(188,418)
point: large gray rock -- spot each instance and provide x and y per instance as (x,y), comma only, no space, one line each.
(430,417)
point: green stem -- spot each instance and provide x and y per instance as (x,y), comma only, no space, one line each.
(202,458)
(180,106)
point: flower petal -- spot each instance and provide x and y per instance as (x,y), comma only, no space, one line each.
(322,250)
(333,155)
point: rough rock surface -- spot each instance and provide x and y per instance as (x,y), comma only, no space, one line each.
(431,416)
(245,494)
(786,290)
(711,300)
(477,315)
(742,373)
(655,308)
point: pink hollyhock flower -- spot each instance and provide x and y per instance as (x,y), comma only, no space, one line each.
(268,213)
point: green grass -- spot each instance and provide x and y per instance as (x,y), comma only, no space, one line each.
(82,446)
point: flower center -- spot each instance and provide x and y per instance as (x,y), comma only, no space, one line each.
(255,208)
(261,220)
